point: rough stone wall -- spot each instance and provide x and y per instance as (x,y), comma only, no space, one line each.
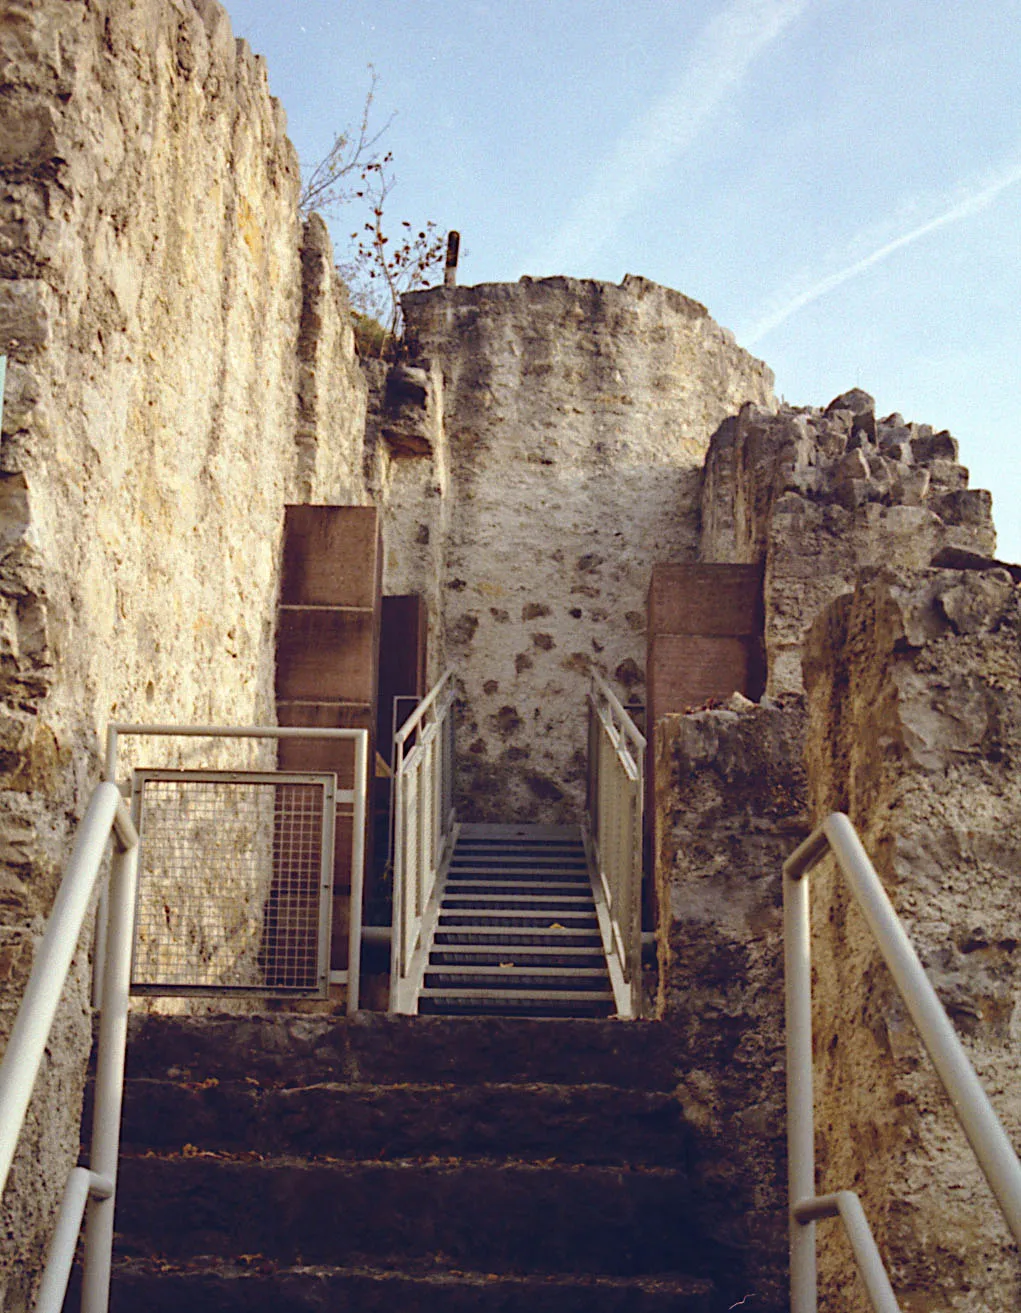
(731,801)
(575,416)
(151,305)
(820,494)
(914,687)
(407,466)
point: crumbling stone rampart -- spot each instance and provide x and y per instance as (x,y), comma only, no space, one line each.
(914,691)
(818,495)
(731,804)
(180,366)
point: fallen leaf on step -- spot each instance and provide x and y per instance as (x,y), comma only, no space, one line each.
(504,965)
(556,926)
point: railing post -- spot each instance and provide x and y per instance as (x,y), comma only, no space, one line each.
(358,820)
(26,1045)
(800,1098)
(113,1035)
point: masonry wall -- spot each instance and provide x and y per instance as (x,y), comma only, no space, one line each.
(914,726)
(180,367)
(815,495)
(575,418)
(730,806)
(907,728)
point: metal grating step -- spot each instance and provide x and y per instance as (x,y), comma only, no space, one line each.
(511,1003)
(517,954)
(517,933)
(573,887)
(515,917)
(558,980)
(536,902)
(523,935)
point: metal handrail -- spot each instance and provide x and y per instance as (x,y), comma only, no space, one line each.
(614,833)
(985,1134)
(92,1189)
(424,830)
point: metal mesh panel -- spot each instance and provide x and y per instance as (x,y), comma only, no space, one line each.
(235,877)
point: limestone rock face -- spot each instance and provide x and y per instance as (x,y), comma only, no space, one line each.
(914,688)
(155,282)
(576,416)
(730,807)
(819,495)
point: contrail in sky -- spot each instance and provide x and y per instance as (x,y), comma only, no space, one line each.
(962,209)
(718,61)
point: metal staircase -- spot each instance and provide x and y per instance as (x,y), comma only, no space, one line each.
(517,932)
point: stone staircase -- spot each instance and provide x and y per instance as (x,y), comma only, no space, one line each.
(517,933)
(295,1162)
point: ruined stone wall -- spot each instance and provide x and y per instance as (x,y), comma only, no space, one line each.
(180,366)
(731,805)
(575,418)
(818,495)
(914,687)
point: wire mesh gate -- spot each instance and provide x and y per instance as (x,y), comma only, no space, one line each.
(235,882)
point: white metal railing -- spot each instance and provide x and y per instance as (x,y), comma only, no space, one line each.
(91,1188)
(424,833)
(982,1127)
(614,833)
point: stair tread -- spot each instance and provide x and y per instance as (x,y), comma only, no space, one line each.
(531,900)
(162,1287)
(517,912)
(580,996)
(511,971)
(566,931)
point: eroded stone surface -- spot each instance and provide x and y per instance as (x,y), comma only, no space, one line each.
(180,366)
(575,418)
(731,805)
(820,494)
(915,721)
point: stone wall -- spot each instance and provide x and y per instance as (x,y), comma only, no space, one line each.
(180,367)
(818,498)
(731,805)
(575,418)
(914,687)
(819,494)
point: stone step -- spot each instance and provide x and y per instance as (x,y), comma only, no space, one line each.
(259,1286)
(596,1124)
(372,1048)
(501,1217)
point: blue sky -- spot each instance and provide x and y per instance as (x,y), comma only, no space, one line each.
(839,181)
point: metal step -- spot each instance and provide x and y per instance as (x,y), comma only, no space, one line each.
(518,871)
(507,976)
(577,888)
(518,954)
(523,935)
(537,902)
(522,1003)
(517,933)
